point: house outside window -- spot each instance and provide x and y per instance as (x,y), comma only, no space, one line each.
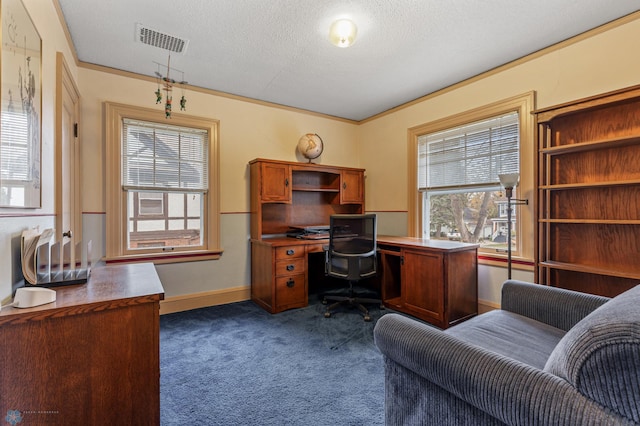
(456,163)
(163,188)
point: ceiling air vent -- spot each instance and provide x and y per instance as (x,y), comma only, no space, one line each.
(163,41)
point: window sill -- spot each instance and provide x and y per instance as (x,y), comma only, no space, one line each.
(518,263)
(163,258)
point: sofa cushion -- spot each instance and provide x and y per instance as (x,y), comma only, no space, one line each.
(600,355)
(509,334)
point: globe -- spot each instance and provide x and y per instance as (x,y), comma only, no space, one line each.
(310,146)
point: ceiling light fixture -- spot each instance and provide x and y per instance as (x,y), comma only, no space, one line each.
(342,33)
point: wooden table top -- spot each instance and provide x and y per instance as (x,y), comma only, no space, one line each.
(382,240)
(108,287)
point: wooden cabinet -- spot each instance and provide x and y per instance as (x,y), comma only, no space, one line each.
(418,297)
(279,274)
(275,183)
(285,194)
(91,357)
(352,188)
(436,281)
(588,194)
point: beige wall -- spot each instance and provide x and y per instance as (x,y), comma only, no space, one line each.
(14,221)
(248,130)
(602,62)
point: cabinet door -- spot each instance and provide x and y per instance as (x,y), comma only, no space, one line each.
(422,284)
(352,187)
(276,182)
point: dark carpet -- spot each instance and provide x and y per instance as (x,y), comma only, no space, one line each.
(236,364)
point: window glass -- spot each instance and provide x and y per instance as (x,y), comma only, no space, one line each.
(16,153)
(172,227)
(472,217)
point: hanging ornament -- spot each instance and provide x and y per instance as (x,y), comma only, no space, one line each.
(167,86)
(158,93)
(183,100)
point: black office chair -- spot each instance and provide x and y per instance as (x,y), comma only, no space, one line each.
(351,255)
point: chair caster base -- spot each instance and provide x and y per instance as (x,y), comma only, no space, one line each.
(327,314)
(367,318)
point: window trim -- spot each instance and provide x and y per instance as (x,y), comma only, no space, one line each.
(524,104)
(116,202)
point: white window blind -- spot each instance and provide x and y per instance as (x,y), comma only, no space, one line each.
(470,155)
(164,157)
(15,152)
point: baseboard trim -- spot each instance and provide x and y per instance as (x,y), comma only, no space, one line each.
(205,299)
(486,306)
(238,294)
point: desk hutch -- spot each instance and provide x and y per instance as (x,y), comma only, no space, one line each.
(433,280)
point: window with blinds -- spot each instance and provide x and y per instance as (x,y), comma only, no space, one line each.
(469,156)
(161,186)
(458,172)
(165,173)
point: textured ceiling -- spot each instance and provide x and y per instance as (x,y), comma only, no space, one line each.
(278,50)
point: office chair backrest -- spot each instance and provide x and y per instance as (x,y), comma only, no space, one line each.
(352,246)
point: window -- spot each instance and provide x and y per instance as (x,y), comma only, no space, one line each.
(162,202)
(458,196)
(149,204)
(458,177)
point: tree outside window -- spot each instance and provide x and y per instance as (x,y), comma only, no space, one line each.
(472,217)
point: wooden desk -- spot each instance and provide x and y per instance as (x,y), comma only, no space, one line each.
(433,280)
(90,357)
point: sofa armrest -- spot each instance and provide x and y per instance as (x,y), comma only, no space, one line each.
(555,306)
(508,390)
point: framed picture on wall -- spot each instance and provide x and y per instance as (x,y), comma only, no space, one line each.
(20,108)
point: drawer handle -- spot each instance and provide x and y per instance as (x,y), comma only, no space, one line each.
(290,252)
(291,283)
(290,267)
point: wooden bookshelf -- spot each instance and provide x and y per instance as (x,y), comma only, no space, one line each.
(588,193)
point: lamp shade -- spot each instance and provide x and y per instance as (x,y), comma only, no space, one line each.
(342,33)
(509,180)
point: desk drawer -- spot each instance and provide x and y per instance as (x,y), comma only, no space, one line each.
(290,266)
(291,292)
(289,252)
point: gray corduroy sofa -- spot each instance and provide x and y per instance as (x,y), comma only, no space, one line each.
(548,357)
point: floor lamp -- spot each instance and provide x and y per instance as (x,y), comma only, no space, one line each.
(510,181)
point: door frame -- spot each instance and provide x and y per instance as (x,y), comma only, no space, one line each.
(65,81)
